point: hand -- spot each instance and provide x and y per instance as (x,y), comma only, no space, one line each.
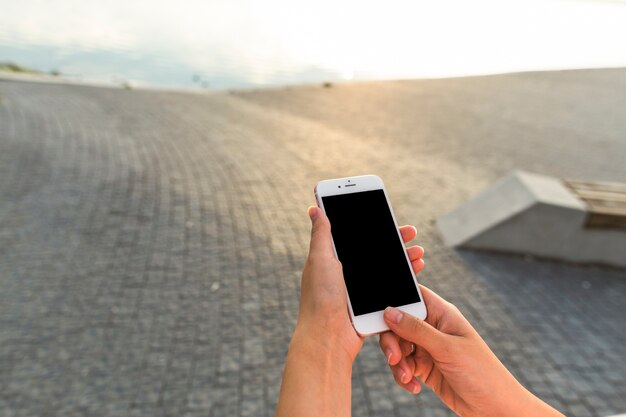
(447,354)
(323,301)
(317,377)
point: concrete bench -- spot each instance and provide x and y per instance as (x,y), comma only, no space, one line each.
(544,216)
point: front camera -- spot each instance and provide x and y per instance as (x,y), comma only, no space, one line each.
(339,186)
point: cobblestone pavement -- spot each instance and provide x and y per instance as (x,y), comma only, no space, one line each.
(151,243)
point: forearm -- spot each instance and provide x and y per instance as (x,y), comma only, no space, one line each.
(505,395)
(316,381)
(514,400)
(522,402)
(535,406)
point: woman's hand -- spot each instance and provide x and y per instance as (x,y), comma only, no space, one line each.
(447,354)
(318,370)
(323,300)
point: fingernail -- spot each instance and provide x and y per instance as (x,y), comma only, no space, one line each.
(393,315)
(389,353)
(313,213)
(416,387)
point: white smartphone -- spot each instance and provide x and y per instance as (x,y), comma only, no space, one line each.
(368,243)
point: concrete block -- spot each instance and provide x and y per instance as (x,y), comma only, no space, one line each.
(532,214)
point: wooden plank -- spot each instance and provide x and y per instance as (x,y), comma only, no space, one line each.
(608,211)
(601,195)
(616,187)
(606,202)
(599,204)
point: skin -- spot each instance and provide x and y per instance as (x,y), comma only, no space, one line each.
(444,351)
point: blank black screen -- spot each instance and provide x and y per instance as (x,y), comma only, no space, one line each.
(375,269)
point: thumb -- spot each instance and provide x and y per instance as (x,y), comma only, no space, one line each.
(321,243)
(415,330)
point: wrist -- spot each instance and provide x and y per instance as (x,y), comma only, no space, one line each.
(317,377)
(322,345)
(515,400)
(535,406)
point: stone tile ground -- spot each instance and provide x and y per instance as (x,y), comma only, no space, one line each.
(151,243)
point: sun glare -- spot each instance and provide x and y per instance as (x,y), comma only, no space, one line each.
(264,41)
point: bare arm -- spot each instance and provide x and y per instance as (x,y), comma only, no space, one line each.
(317,379)
(318,370)
(446,353)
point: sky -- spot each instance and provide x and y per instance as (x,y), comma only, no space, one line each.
(243,42)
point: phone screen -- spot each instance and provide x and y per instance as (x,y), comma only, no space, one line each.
(375,269)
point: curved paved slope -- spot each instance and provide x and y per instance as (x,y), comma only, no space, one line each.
(151,243)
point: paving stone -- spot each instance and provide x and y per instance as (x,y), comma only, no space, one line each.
(151,243)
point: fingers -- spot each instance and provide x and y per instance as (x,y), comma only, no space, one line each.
(423,365)
(408,233)
(415,330)
(414,387)
(417,265)
(390,345)
(415,252)
(404,370)
(405,380)
(398,353)
(321,243)
(415,256)
(406,347)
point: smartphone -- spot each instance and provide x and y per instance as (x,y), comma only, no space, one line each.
(368,243)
